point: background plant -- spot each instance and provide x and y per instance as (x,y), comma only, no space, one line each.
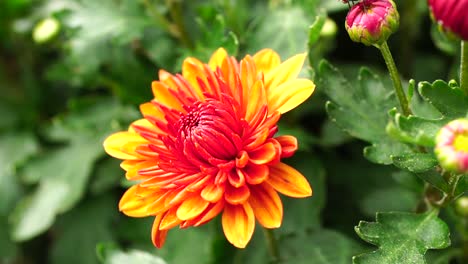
(67,84)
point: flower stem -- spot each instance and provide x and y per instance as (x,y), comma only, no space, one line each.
(392,69)
(272,244)
(464,67)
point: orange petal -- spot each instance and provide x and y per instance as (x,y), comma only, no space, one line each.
(217,58)
(248,75)
(238,224)
(149,109)
(169,220)
(163,95)
(266,59)
(266,205)
(133,166)
(256,100)
(210,212)
(191,70)
(235,195)
(212,192)
(288,181)
(288,70)
(289,95)
(158,236)
(192,207)
(263,154)
(134,205)
(122,145)
(288,145)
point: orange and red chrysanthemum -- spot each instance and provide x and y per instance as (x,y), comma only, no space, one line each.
(206,145)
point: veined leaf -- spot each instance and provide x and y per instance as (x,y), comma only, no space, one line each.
(402,237)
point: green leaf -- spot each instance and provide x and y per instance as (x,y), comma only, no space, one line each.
(301,215)
(110,255)
(108,174)
(315,29)
(86,226)
(416,162)
(8,249)
(433,177)
(291,22)
(197,243)
(394,198)
(15,148)
(63,173)
(402,237)
(448,98)
(97,22)
(361,110)
(323,247)
(416,130)
(382,152)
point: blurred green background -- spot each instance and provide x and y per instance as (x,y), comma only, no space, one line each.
(74,71)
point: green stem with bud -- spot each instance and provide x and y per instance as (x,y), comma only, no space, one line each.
(464,67)
(272,245)
(392,69)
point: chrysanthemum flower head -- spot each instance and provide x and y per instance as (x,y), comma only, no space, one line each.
(452,146)
(206,145)
(371,22)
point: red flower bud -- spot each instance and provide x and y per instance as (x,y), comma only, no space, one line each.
(371,22)
(452,15)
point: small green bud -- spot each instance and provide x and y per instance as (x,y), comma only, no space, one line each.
(461,206)
(46,30)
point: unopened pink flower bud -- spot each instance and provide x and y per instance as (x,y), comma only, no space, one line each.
(452,146)
(371,22)
(451,15)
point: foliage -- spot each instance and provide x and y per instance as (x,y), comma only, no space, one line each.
(63,95)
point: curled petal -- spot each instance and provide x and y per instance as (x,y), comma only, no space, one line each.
(264,154)
(255,174)
(288,145)
(238,224)
(266,205)
(122,145)
(288,181)
(212,192)
(236,178)
(158,236)
(235,195)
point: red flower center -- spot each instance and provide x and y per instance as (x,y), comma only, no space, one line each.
(207,133)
